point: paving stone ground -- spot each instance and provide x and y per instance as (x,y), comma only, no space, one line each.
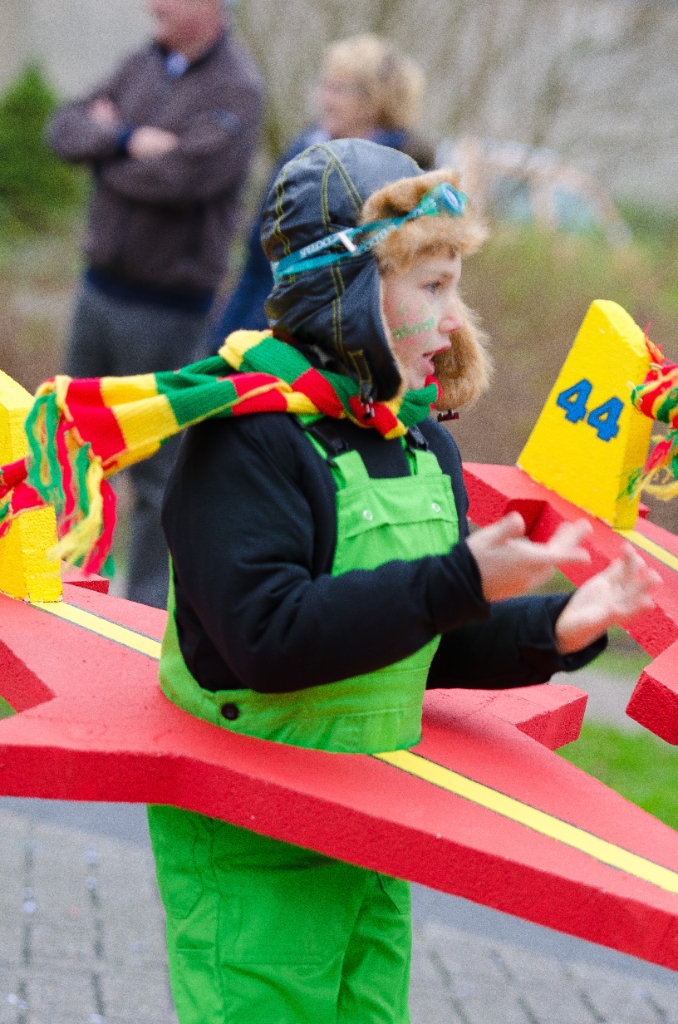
(608,696)
(81,942)
(459,978)
(81,929)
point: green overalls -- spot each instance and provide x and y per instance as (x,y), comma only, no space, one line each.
(261,932)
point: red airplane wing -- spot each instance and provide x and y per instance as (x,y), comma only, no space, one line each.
(481,808)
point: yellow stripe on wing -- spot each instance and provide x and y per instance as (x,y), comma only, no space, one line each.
(650,547)
(103,627)
(532,818)
(429,771)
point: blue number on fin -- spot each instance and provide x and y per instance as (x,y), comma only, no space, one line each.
(605,419)
(573,400)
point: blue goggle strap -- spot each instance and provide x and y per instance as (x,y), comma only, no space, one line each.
(443,199)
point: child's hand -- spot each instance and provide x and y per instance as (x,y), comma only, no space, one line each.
(510,564)
(612,598)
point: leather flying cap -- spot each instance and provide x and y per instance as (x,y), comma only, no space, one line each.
(337,308)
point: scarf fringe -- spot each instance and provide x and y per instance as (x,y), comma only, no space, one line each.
(657,398)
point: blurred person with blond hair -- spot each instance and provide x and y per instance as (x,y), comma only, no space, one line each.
(169,138)
(368,89)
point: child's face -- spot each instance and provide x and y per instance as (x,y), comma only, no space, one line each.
(421,309)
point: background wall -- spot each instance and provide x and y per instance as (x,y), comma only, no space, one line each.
(595,80)
(77,41)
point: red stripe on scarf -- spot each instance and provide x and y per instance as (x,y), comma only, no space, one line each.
(383,419)
(658,456)
(320,391)
(94,421)
(66,472)
(12,474)
(653,395)
(99,552)
(245,382)
(85,391)
(271,401)
(100,427)
(24,498)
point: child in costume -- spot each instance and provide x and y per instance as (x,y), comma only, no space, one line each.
(323,576)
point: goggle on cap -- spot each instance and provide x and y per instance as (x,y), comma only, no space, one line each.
(443,200)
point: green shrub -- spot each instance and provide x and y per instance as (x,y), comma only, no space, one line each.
(35,187)
(651,225)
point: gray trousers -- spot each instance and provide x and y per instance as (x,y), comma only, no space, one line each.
(114,337)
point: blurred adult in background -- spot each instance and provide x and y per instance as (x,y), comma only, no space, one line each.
(368,89)
(170,139)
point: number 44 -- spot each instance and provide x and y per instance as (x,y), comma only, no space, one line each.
(604,418)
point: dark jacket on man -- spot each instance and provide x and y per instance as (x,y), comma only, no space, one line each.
(166,223)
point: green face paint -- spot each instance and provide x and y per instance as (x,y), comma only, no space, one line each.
(422,326)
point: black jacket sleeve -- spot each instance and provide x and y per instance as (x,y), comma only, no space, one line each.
(515,647)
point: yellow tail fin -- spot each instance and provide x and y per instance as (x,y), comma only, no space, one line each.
(26,572)
(589,439)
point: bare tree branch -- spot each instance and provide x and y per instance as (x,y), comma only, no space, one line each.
(594,79)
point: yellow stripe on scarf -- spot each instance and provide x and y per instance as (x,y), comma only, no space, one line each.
(236,346)
(120,390)
(144,424)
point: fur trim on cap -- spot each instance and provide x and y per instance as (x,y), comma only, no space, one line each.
(426,236)
(463,371)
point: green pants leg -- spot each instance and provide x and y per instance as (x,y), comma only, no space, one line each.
(260,932)
(375,976)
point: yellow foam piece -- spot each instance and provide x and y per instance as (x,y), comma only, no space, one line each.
(26,571)
(575,459)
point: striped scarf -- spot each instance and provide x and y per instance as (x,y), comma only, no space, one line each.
(80,432)
(657,398)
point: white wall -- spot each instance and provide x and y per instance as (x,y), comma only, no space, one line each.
(78,41)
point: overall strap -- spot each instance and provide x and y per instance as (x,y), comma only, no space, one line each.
(421,459)
(347,466)
(425,464)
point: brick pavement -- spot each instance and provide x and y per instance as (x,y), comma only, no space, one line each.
(81,942)
(81,929)
(459,978)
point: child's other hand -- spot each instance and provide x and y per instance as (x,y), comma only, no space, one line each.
(510,564)
(612,598)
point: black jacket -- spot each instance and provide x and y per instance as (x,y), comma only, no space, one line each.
(250,521)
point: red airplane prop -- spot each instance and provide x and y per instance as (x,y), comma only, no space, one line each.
(497,490)
(482,808)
